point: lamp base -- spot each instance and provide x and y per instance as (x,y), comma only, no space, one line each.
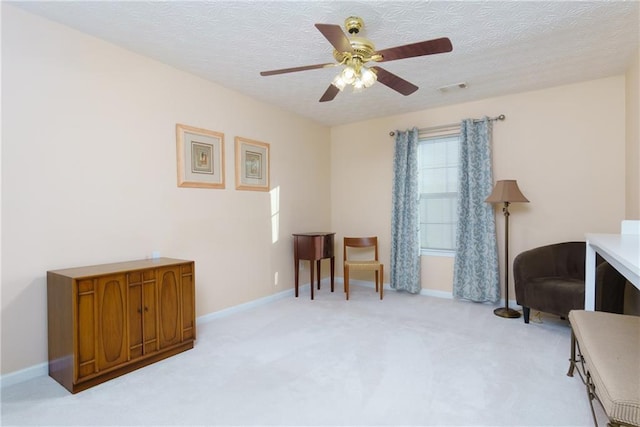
(506,312)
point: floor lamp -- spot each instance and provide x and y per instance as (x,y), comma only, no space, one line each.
(506,191)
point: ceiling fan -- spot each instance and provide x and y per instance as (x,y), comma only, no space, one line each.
(355,52)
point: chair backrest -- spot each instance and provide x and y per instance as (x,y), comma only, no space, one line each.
(360,242)
(565,259)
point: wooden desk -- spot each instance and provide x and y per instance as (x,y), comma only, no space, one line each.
(622,251)
(313,247)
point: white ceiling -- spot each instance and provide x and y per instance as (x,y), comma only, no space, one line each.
(499,47)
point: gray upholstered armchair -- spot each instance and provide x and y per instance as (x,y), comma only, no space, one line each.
(551,279)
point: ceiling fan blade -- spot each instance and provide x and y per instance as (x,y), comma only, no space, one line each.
(394,82)
(336,37)
(296,69)
(428,47)
(330,93)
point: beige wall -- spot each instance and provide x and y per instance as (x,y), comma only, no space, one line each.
(564,145)
(89,176)
(633,140)
(632,295)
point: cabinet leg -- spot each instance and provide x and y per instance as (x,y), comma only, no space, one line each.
(297,274)
(311,274)
(333,268)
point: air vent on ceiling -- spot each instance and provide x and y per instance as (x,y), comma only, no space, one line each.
(451,87)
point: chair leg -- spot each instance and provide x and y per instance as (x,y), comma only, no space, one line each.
(381,281)
(376,280)
(525,313)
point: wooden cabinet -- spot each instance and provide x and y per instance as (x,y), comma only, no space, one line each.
(313,247)
(107,320)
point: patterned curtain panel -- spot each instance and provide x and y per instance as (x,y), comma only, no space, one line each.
(476,269)
(405,222)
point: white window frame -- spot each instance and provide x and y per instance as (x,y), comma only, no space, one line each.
(424,139)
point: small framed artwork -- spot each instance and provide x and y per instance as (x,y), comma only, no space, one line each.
(252,165)
(200,154)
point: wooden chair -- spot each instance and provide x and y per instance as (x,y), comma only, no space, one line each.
(354,264)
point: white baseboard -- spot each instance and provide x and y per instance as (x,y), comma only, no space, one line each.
(247,305)
(424,292)
(42,369)
(437,294)
(39,370)
(449,295)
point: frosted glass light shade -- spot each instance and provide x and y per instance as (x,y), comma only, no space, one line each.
(348,75)
(339,82)
(368,77)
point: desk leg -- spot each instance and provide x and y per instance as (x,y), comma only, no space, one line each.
(311,280)
(590,279)
(319,269)
(333,268)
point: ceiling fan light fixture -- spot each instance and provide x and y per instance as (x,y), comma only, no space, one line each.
(355,75)
(368,77)
(339,82)
(349,74)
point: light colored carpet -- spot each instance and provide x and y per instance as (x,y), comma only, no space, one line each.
(407,360)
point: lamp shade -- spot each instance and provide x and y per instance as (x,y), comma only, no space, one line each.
(506,191)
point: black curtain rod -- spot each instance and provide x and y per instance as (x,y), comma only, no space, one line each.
(452,125)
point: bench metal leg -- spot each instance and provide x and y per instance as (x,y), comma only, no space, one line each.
(591,394)
(572,360)
(585,376)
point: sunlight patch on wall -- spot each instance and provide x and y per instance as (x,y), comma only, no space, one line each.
(275,214)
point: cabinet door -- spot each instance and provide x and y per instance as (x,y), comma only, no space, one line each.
(86,301)
(150,313)
(169,306)
(112,321)
(188,301)
(143,330)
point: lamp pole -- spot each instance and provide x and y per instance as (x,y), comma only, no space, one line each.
(506,311)
(506,191)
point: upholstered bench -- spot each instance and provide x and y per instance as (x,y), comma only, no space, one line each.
(608,354)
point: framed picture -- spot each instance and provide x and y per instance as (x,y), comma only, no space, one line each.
(252,165)
(200,157)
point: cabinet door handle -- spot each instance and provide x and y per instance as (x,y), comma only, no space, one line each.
(146,308)
(139,310)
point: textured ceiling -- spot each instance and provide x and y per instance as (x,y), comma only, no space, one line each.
(499,47)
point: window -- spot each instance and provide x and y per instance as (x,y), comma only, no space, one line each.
(438,174)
